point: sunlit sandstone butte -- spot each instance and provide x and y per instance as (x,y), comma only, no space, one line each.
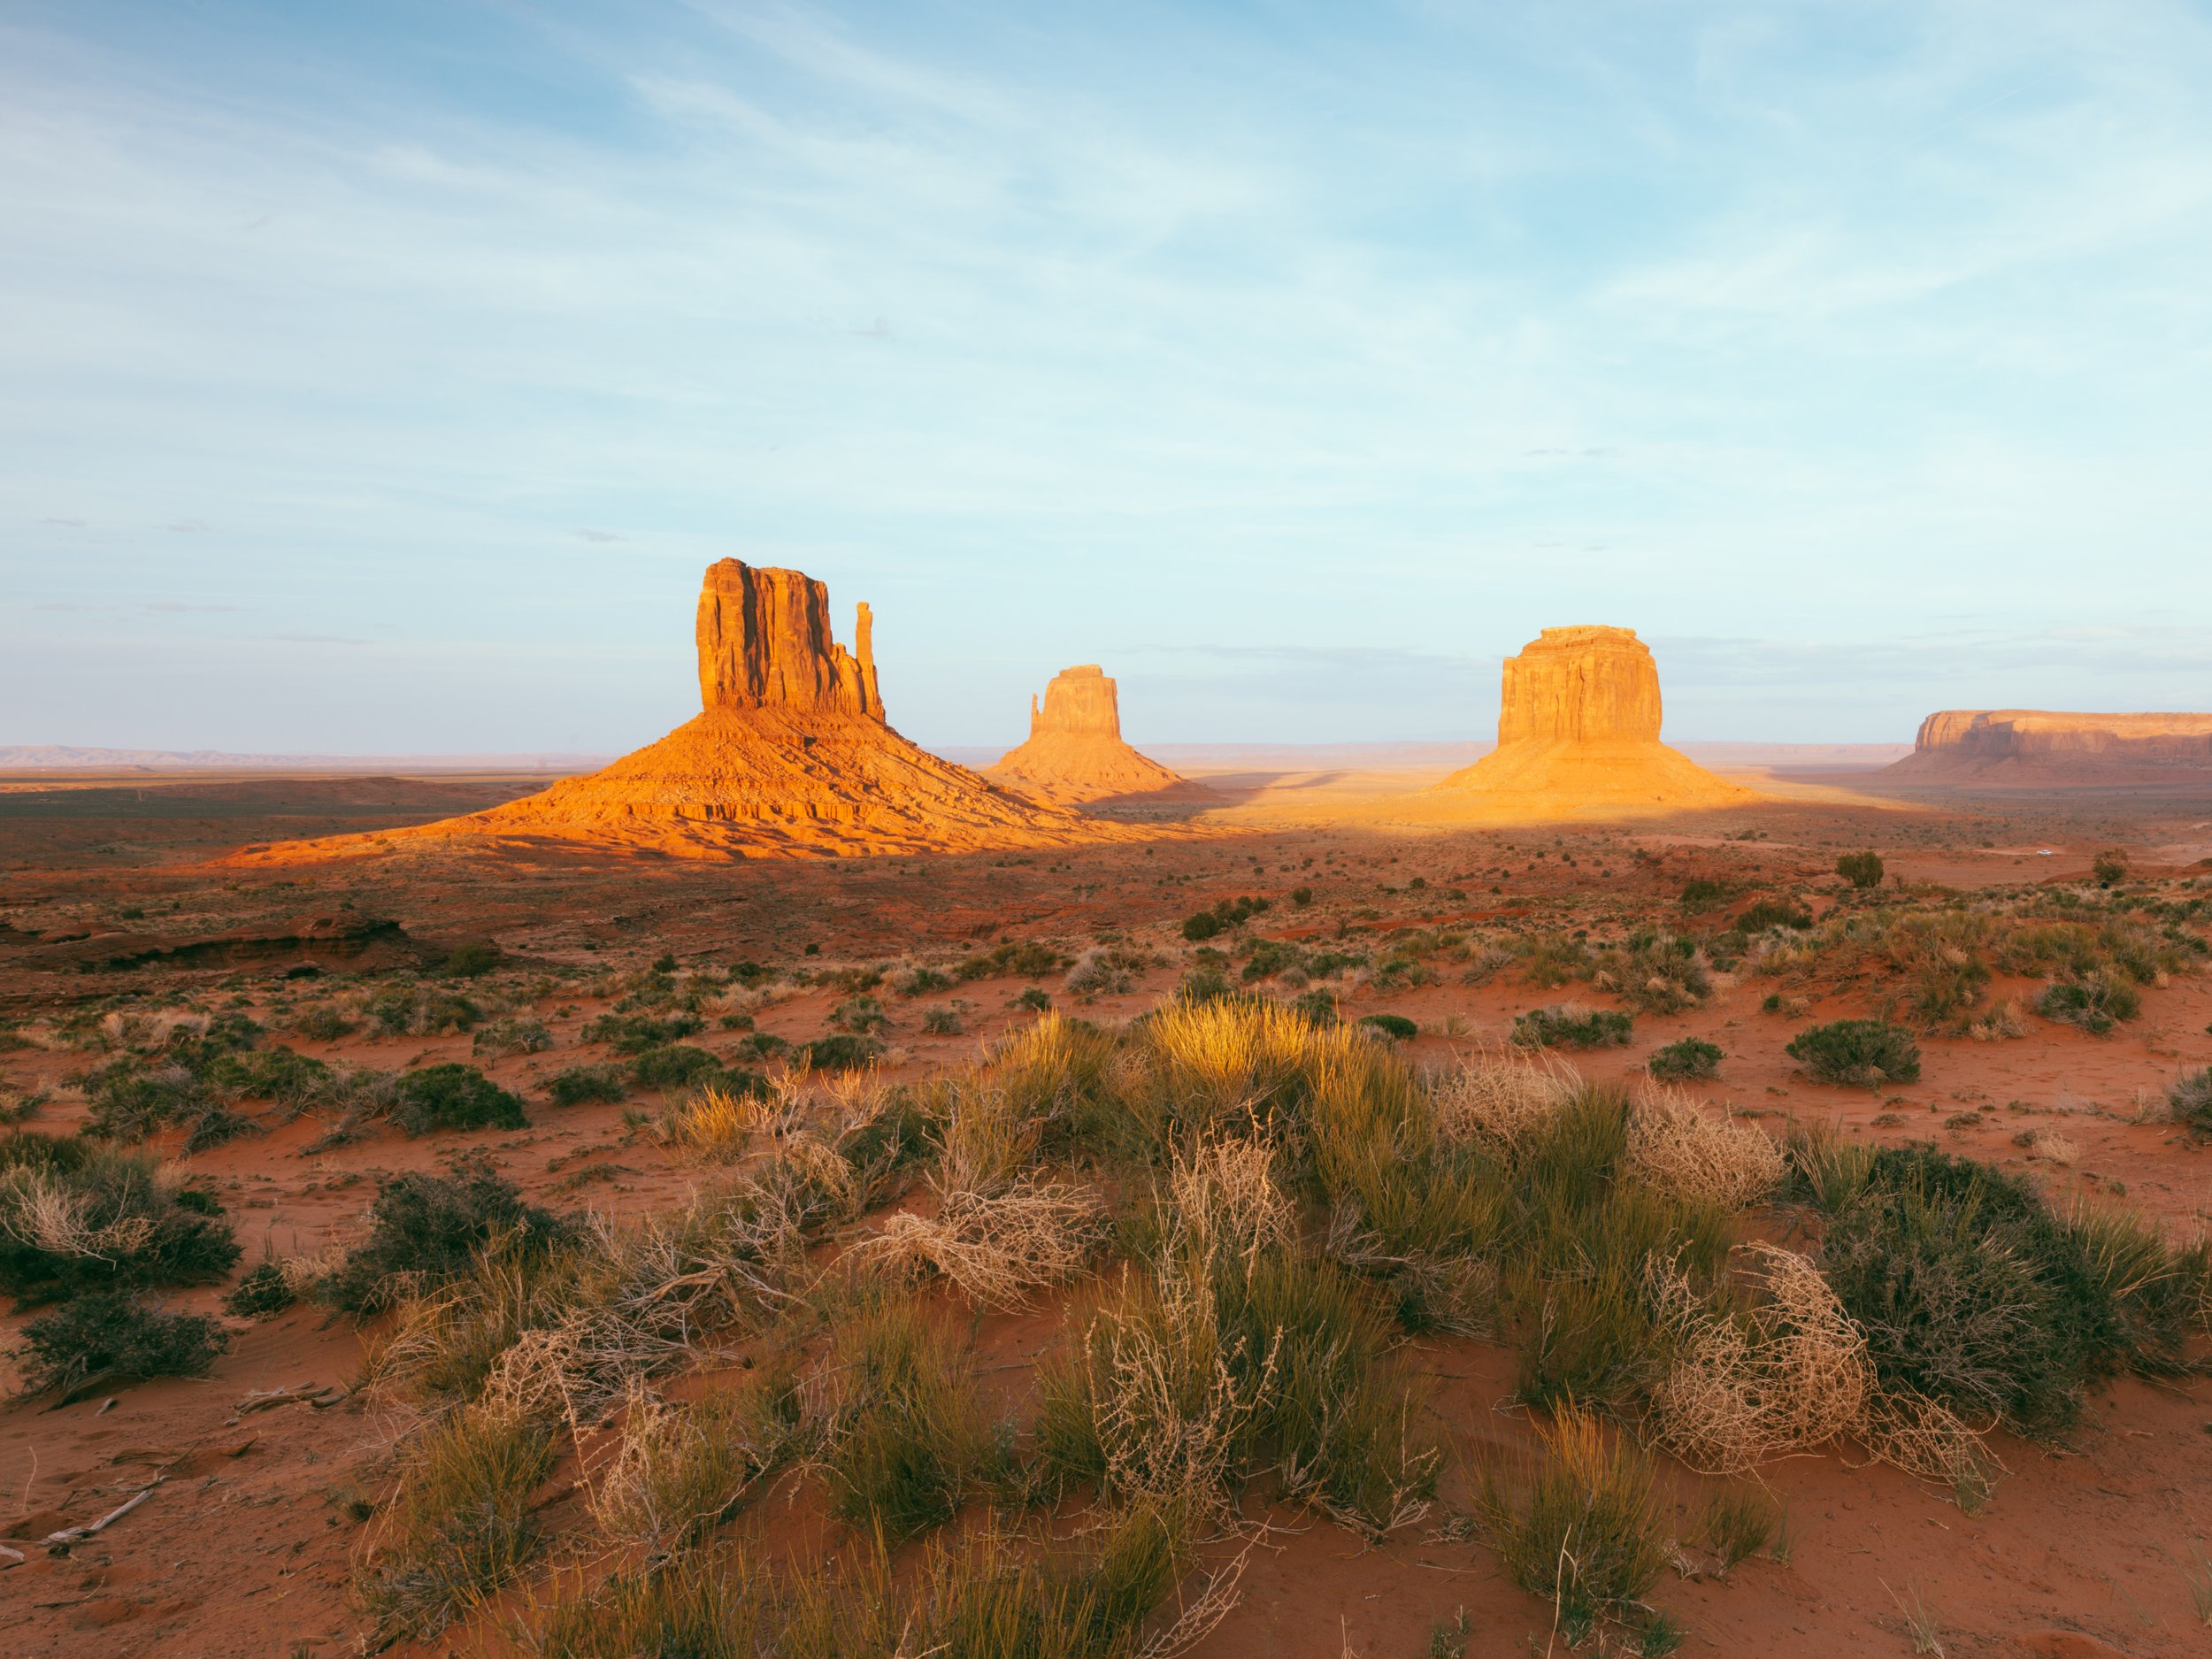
(2039,746)
(1578,736)
(789,756)
(1075,753)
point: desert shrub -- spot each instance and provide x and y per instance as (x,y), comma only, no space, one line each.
(921,981)
(511,1036)
(451,1095)
(674,1065)
(1867,1053)
(1674,1147)
(1578,1524)
(2189,1102)
(860,1014)
(986,1598)
(942,1022)
(1736,1526)
(1204,984)
(1657,973)
(841,1052)
(279,1074)
(1268,957)
(580,1084)
(419,1010)
(466,961)
(1703,894)
(1566,1025)
(76,1217)
(681,1469)
(1860,869)
(2109,866)
(131,1101)
(906,1436)
(322,1022)
(1397,1027)
(1034,998)
(2094,1001)
(1687,1061)
(426,1229)
(1028,960)
(1226,916)
(262,1290)
(1784,1374)
(108,1337)
(1765,914)
(1971,1294)
(713,1123)
(634,1033)
(460,1527)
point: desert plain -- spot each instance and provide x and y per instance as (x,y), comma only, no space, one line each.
(236,975)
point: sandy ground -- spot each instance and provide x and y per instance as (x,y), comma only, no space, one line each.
(244,1546)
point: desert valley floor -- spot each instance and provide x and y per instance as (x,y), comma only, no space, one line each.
(125,915)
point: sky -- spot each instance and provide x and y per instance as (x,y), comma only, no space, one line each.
(378,378)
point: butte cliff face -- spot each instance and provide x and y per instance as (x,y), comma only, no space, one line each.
(790,756)
(1578,736)
(1075,754)
(2041,746)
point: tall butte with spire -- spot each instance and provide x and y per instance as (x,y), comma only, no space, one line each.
(789,756)
(1578,736)
(1075,753)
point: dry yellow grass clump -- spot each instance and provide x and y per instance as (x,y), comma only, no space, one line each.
(1675,1146)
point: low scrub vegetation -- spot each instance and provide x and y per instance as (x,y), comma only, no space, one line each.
(1566,1026)
(108,1337)
(1863,1052)
(1254,1208)
(79,1217)
(1689,1060)
(450,1095)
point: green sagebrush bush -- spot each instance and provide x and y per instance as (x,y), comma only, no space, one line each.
(110,1337)
(424,1229)
(77,1217)
(451,1095)
(1563,1026)
(1870,1052)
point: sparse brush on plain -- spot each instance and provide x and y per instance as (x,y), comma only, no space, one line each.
(1504,1097)
(426,1229)
(1690,1060)
(1737,1523)
(1972,1293)
(713,1124)
(460,1526)
(1786,1373)
(680,1470)
(1675,1146)
(1864,1053)
(1569,1025)
(2094,1001)
(1578,1523)
(2189,1102)
(997,1246)
(2003,1022)
(75,1216)
(108,1337)
(904,1437)
(450,1095)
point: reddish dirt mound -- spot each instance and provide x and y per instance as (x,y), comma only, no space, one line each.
(1075,754)
(790,758)
(1578,736)
(2035,745)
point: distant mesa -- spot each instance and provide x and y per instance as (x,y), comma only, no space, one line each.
(2039,746)
(1578,735)
(1075,755)
(790,757)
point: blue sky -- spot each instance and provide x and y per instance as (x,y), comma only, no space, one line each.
(379,378)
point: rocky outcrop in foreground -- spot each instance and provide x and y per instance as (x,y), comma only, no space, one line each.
(2039,746)
(1075,754)
(1579,737)
(790,757)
